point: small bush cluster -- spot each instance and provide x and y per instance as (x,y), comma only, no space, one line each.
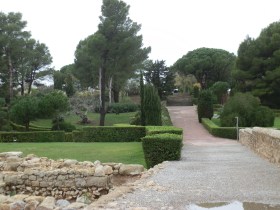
(119,108)
(161,147)
(249,111)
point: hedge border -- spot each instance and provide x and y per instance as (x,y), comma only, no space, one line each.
(215,130)
(39,136)
(152,130)
(161,147)
(110,134)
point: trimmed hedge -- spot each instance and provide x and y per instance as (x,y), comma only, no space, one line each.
(110,134)
(161,147)
(40,136)
(68,137)
(223,132)
(151,130)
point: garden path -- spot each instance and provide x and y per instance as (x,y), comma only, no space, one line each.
(211,170)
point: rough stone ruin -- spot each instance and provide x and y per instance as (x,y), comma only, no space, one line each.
(33,181)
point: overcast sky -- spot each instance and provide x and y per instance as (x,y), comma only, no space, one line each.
(171,27)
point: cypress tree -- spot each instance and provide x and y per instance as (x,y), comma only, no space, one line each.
(142,99)
(205,105)
(152,106)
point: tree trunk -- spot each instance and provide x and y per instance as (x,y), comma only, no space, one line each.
(110,90)
(11,78)
(29,87)
(27,126)
(116,94)
(102,72)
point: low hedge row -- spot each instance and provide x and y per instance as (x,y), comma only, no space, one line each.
(151,130)
(18,127)
(110,134)
(223,132)
(39,136)
(161,147)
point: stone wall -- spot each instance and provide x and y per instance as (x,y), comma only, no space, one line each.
(264,141)
(65,178)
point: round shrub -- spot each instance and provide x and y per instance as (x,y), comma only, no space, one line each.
(264,117)
(205,105)
(68,127)
(248,110)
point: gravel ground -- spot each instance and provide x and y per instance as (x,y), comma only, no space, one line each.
(211,170)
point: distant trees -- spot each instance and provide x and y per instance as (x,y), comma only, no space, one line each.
(113,53)
(207,65)
(21,57)
(158,74)
(258,65)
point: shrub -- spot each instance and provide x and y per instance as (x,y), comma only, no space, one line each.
(248,110)
(205,105)
(152,130)
(152,106)
(123,108)
(220,90)
(161,147)
(24,110)
(136,120)
(2,102)
(40,136)
(264,117)
(63,126)
(110,134)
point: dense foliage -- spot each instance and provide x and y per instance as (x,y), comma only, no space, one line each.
(219,89)
(113,52)
(22,59)
(159,75)
(205,105)
(248,110)
(258,64)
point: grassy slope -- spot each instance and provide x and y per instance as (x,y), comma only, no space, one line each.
(123,118)
(129,153)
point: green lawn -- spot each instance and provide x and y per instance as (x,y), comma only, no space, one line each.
(129,153)
(110,119)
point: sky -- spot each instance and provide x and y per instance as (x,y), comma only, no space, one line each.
(170,28)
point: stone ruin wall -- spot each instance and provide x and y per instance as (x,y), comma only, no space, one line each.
(263,141)
(62,179)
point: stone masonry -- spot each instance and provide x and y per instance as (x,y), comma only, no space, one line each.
(61,179)
(263,141)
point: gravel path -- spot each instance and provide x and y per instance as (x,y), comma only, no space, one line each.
(211,170)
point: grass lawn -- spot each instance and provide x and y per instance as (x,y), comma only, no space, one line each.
(110,119)
(129,153)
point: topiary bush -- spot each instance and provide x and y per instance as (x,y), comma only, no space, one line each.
(205,105)
(264,117)
(161,147)
(248,110)
(152,106)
